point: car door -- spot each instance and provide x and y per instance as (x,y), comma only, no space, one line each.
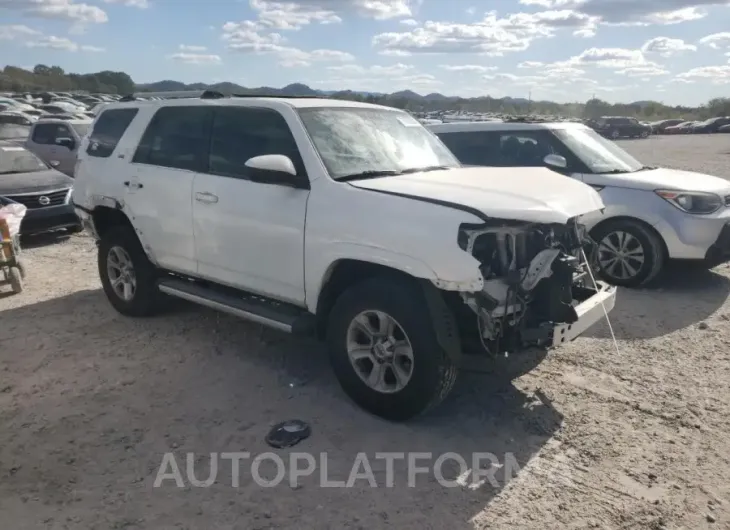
(42,140)
(250,234)
(63,152)
(158,183)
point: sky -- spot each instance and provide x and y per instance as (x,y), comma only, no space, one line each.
(674,51)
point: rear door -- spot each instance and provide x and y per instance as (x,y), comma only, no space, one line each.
(158,183)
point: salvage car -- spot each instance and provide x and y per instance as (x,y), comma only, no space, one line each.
(651,214)
(26,179)
(343,220)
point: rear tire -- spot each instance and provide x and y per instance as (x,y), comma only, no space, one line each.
(643,253)
(145,298)
(411,384)
(614,135)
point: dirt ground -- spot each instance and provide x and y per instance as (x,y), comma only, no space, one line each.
(90,401)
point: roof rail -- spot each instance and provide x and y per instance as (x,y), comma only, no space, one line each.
(284,96)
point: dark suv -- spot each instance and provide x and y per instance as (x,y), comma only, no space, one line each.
(620,127)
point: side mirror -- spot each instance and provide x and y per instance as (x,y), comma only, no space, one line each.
(66,142)
(273,169)
(556,162)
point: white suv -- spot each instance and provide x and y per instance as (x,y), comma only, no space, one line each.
(345,220)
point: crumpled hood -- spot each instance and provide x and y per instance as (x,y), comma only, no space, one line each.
(533,194)
(15,183)
(663,178)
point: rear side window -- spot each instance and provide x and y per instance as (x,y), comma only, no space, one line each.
(242,133)
(477,148)
(108,130)
(178,138)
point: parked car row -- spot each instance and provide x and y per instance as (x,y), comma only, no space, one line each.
(679,126)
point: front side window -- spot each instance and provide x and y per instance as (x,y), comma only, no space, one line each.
(355,141)
(19,160)
(501,148)
(45,133)
(239,134)
(596,152)
(177,138)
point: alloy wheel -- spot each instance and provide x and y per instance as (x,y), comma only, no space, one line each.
(121,273)
(380,351)
(621,255)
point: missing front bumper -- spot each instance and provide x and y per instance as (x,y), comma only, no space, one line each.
(589,311)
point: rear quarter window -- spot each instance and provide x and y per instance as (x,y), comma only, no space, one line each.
(108,130)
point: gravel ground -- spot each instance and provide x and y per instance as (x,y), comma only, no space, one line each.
(90,401)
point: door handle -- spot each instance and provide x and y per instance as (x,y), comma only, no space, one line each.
(133,185)
(207,198)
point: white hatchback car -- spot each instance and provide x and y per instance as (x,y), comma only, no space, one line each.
(652,214)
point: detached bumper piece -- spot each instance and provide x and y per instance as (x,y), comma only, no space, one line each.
(590,310)
(719,251)
(47,219)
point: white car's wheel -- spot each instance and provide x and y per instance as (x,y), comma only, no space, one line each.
(628,254)
(384,350)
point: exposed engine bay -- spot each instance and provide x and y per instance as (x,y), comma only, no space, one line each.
(534,276)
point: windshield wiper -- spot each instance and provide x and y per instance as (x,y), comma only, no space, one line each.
(647,168)
(424,169)
(614,172)
(371,174)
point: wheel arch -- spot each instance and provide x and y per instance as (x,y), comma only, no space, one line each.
(619,218)
(345,273)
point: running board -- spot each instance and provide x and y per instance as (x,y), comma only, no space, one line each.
(283,317)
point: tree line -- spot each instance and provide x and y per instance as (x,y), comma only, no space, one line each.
(54,78)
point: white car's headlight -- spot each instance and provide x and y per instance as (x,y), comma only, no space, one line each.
(692,201)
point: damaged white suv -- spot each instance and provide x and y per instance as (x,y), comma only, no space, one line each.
(343,220)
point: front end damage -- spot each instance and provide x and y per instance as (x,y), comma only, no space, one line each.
(538,289)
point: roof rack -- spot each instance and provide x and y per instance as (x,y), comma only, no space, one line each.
(214,94)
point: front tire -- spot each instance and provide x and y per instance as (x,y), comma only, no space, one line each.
(614,135)
(384,350)
(629,254)
(129,279)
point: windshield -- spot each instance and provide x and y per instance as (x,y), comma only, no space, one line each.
(354,141)
(81,128)
(598,153)
(15,159)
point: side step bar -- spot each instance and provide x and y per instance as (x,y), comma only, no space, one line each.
(288,319)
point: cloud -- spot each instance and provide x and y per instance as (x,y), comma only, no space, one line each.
(667,47)
(141,4)
(467,68)
(716,74)
(633,12)
(409,22)
(251,37)
(294,14)
(57,9)
(195,58)
(390,77)
(61,44)
(643,71)
(491,36)
(194,49)
(17,31)
(609,58)
(717,41)
(530,64)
